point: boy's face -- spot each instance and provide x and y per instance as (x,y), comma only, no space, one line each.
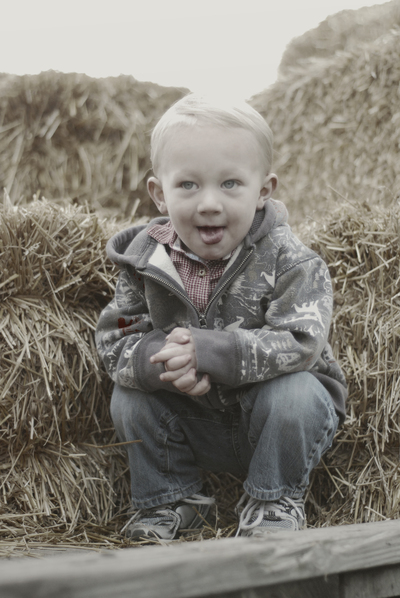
(211,182)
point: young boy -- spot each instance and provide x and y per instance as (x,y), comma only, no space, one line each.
(216,339)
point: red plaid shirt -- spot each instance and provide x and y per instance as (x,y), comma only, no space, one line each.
(199,276)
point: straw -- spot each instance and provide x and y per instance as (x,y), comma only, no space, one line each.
(358,481)
(62,472)
(75,138)
(336,127)
(341,31)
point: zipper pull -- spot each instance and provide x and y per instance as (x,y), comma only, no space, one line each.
(202,321)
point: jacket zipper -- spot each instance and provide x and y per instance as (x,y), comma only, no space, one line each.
(202,317)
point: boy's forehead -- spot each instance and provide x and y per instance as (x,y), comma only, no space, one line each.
(190,150)
(187,134)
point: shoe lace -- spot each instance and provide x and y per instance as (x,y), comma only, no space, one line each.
(199,499)
(256,508)
(162,510)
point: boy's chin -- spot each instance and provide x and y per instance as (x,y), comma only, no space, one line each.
(204,254)
(208,255)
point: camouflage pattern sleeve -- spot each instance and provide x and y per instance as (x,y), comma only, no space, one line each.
(296,326)
(122,324)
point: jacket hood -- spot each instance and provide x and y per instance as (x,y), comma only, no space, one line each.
(134,241)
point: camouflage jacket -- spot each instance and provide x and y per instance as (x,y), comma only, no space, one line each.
(268,315)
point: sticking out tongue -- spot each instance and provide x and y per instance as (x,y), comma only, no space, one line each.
(211,234)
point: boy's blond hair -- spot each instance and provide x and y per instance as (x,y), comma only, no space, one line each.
(193,109)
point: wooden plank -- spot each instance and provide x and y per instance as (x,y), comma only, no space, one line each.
(320,587)
(200,569)
(376,583)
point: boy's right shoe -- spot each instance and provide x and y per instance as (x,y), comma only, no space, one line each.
(261,517)
(167,522)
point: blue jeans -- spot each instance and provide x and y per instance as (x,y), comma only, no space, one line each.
(275,437)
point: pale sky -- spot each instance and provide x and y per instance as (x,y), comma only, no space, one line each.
(229,46)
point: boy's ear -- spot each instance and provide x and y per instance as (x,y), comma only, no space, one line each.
(156,193)
(269,186)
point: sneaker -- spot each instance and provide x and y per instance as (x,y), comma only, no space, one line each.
(168,521)
(260,517)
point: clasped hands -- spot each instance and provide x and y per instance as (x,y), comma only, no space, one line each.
(180,363)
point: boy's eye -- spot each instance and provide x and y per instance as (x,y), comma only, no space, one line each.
(188,185)
(229,184)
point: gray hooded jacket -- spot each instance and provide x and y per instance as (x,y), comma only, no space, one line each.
(268,315)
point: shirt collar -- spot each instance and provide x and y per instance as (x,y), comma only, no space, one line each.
(166,234)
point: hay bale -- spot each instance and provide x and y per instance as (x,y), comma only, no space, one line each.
(340,32)
(336,124)
(359,480)
(59,482)
(72,136)
(63,480)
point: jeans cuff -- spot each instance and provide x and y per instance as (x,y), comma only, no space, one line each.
(271,495)
(167,498)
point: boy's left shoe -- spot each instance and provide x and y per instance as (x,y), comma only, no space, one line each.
(260,517)
(167,522)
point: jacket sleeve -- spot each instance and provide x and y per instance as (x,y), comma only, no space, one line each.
(292,337)
(126,339)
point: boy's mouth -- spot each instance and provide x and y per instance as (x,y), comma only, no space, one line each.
(211,234)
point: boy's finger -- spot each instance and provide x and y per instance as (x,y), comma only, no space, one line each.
(187,381)
(176,363)
(179,335)
(167,353)
(180,368)
(173,375)
(201,387)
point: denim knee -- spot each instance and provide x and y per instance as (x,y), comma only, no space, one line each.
(161,464)
(134,412)
(290,422)
(290,400)
(125,409)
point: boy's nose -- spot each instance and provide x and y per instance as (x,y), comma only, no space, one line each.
(209,202)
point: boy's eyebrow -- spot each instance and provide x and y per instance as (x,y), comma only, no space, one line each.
(228,173)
